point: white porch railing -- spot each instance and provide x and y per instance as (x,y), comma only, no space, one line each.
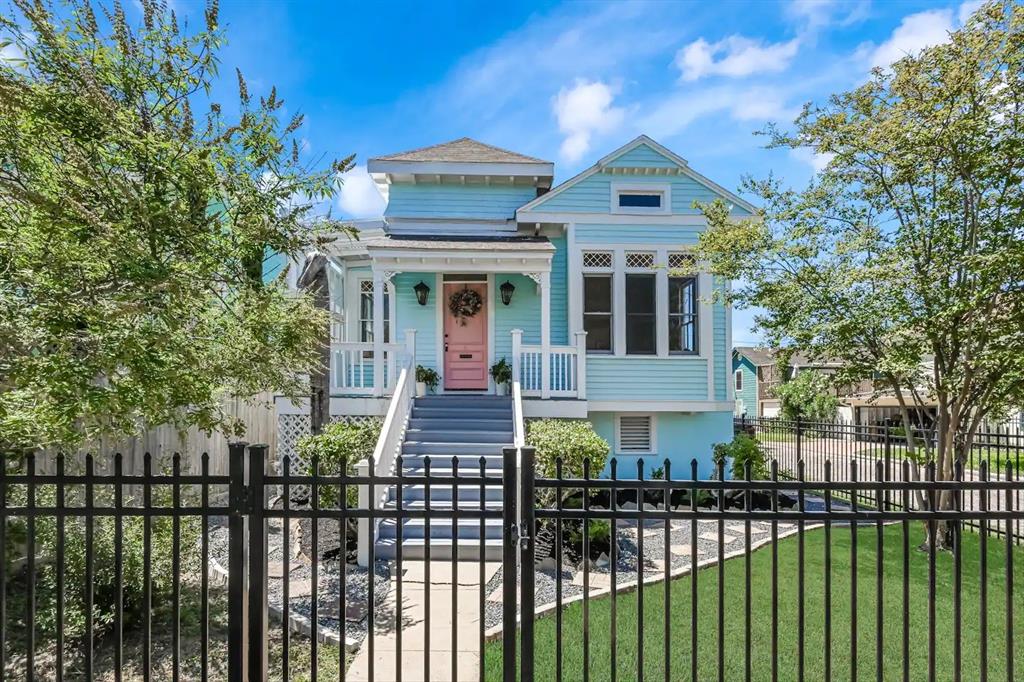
(389,443)
(564,375)
(352,365)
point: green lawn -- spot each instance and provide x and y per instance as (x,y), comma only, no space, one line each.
(996,457)
(788,600)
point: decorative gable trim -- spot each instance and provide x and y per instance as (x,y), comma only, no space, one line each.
(682,168)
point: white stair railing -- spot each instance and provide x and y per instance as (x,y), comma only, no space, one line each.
(389,444)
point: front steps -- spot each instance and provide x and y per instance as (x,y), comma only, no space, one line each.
(473,429)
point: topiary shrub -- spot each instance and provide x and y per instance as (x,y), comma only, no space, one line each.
(340,444)
(740,451)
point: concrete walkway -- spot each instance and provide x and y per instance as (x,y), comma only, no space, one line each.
(415,626)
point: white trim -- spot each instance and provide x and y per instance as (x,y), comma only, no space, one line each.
(618,303)
(439,330)
(575,289)
(730,392)
(706,328)
(562,409)
(661,302)
(473,168)
(662,188)
(652,434)
(492,303)
(545,334)
(659,406)
(636,142)
(737,374)
(591,218)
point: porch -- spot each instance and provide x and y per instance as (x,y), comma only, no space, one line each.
(520,317)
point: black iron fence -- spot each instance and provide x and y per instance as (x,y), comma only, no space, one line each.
(882,453)
(244,577)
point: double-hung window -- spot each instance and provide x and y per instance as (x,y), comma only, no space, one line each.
(682,315)
(597,301)
(366,314)
(641,304)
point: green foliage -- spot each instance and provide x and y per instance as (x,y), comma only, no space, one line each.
(808,395)
(428,376)
(135,219)
(340,444)
(501,372)
(103,581)
(902,258)
(741,451)
(572,440)
(600,531)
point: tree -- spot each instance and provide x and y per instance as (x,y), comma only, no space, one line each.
(133,235)
(904,257)
(807,396)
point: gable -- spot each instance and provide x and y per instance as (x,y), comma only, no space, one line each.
(641,161)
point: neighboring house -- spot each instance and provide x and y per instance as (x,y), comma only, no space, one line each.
(578,285)
(757,373)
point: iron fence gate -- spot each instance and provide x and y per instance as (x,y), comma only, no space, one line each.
(680,590)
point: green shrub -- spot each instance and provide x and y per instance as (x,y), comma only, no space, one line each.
(501,372)
(103,577)
(340,444)
(808,395)
(572,440)
(742,450)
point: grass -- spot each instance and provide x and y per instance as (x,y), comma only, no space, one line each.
(760,651)
(996,457)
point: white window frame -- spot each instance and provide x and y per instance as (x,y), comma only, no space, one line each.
(696,350)
(653,417)
(662,188)
(738,380)
(611,273)
(355,312)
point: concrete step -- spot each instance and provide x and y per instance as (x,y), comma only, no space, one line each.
(467,412)
(447,450)
(464,400)
(440,529)
(431,434)
(468,495)
(416,465)
(441,549)
(454,422)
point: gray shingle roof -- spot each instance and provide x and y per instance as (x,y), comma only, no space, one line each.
(463,150)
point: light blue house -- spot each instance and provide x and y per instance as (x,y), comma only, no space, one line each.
(574,285)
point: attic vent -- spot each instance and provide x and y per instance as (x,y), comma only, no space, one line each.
(639,260)
(679,260)
(597,259)
(636,434)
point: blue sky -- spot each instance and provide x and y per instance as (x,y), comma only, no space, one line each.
(567,82)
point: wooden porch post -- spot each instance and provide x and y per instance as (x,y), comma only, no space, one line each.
(545,335)
(581,365)
(378,333)
(517,342)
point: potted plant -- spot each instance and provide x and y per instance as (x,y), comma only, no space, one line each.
(501,372)
(426,377)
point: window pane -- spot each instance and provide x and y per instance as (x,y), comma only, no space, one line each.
(681,295)
(640,294)
(366,307)
(675,333)
(599,332)
(640,200)
(640,335)
(597,294)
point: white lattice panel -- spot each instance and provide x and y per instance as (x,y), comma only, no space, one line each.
(290,429)
(639,260)
(680,260)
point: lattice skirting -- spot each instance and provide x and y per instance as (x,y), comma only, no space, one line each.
(291,428)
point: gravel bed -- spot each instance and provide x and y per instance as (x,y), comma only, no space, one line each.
(300,600)
(653,554)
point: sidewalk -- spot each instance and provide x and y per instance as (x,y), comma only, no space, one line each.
(415,626)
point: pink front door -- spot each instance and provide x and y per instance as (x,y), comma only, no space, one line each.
(465,341)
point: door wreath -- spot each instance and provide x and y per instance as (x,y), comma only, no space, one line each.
(465,303)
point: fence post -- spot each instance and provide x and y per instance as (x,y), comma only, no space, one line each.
(526,563)
(238,652)
(363,523)
(799,432)
(257,545)
(510,533)
(888,462)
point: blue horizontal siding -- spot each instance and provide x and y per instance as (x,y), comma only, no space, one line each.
(721,357)
(748,392)
(456,201)
(643,156)
(637,234)
(593,194)
(423,318)
(559,293)
(634,378)
(523,312)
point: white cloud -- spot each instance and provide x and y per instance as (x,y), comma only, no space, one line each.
(815,14)
(359,197)
(12,53)
(817,161)
(735,56)
(967,9)
(582,111)
(915,32)
(675,113)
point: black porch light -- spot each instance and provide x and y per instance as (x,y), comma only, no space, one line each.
(422,290)
(506,292)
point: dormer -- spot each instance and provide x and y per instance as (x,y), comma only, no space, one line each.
(458,187)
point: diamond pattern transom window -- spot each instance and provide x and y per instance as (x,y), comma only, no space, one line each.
(639,260)
(597,259)
(366,286)
(679,260)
